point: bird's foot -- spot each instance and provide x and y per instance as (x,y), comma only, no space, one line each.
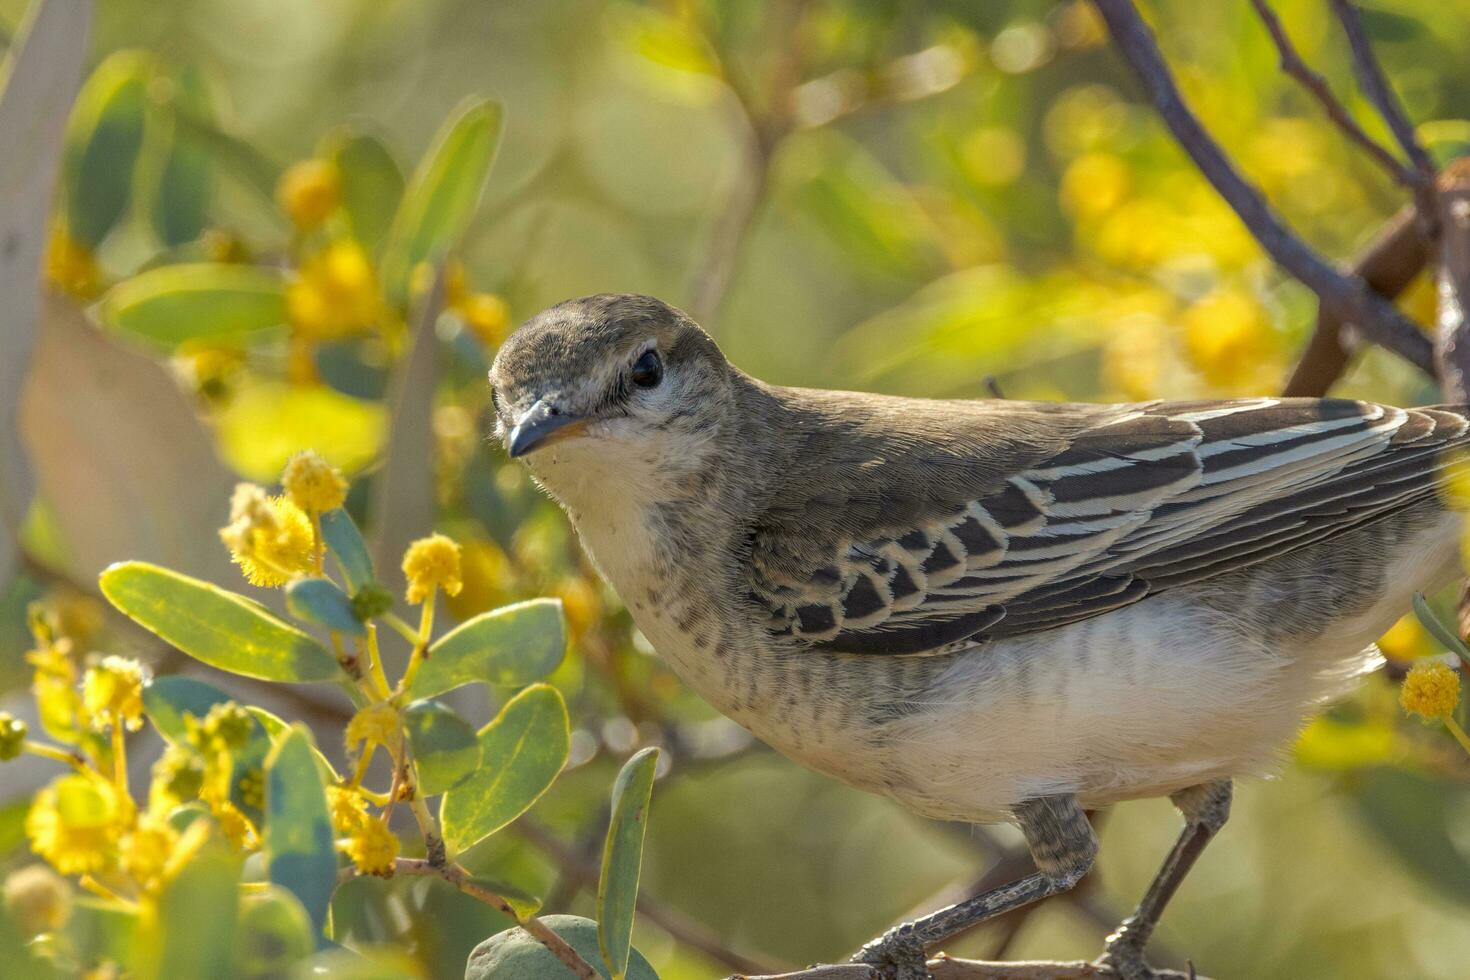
(1124,955)
(896,955)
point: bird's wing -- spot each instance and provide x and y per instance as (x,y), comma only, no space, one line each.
(1153,497)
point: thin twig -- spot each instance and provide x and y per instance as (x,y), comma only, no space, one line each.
(1452,336)
(1313,82)
(457,876)
(1396,254)
(1380,93)
(1372,314)
(945,967)
(689,933)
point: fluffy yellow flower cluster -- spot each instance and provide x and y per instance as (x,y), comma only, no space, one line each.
(1431,690)
(270,538)
(430,563)
(308,192)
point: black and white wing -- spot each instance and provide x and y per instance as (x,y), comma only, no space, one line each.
(1154,497)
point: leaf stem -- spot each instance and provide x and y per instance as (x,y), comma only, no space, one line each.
(119,757)
(420,643)
(70,756)
(1459,733)
(375,665)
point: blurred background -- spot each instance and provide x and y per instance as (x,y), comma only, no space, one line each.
(946,199)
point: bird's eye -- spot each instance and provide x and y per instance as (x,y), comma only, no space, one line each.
(648,370)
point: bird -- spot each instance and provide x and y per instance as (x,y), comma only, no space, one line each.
(989,610)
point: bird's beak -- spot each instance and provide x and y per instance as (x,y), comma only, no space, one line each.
(541,425)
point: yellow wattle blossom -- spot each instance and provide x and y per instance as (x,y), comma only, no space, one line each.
(76,821)
(235,826)
(1094,184)
(38,899)
(1229,338)
(308,192)
(268,537)
(177,778)
(348,810)
(429,563)
(112,693)
(1431,690)
(377,724)
(373,848)
(70,266)
(336,294)
(484,314)
(1405,640)
(55,687)
(312,483)
(581,603)
(251,787)
(146,850)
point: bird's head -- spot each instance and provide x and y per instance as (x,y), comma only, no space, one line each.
(609,391)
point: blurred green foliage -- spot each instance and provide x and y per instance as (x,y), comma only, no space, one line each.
(941,193)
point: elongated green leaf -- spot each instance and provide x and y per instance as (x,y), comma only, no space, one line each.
(347,547)
(371,183)
(217,627)
(186,181)
(174,303)
(622,860)
(507,647)
(298,831)
(1439,630)
(319,601)
(521,753)
(193,932)
(275,933)
(444,745)
(441,197)
(277,729)
(168,699)
(102,145)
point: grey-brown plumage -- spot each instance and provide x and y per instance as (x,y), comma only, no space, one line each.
(978,607)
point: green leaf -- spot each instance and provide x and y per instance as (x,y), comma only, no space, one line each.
(319,601)
(103,141)
(277,729)
(186,182)
(1422,821)
(371,183)
(349,550)
(174,303)
(622,860)
(444,745)
(193,931)
(275,933)
(522,901)
(217,627)
(298,831)
(441,198)
(266,423)
(1439,630)
(168,699)
(507,647)
(517,955)
(521,753)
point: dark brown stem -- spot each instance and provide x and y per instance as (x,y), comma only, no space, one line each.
(1452,336)
(1380,93)
(1313,82)
(1349,297)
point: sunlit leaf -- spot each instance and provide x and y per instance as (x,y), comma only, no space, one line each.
(275,933)
(186,182)
(319,601)
(103,141)
(193,931)
(445,748)
(442,194)
(1328,743)
(298,832)
(220,628)
(622,860)
(348,548)
(507,647)
(371,183)
(276,729)
(213,301)
(522,750)
(265,424)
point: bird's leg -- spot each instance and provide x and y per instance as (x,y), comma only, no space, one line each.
(1205,807)
(1062,845)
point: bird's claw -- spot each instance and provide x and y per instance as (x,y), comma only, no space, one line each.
(896,955)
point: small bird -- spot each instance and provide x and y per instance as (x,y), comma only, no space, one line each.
(985,610)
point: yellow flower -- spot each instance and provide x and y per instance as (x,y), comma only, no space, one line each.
(348,809)
(235,826)
(70,266)
(55,689)
(38,899)
(146,851)
(1405,640)
(313,484)
(486,316)
(76,821)
(336,294)
(1094,184)
(373,848)
(580,602)
(178,776)
(431,562)
(268,537)
(1431,690)
(112,693)
(308,192)
(377,724)
(1229,337)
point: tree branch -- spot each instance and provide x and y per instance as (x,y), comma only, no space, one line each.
(1452,338)
(1380,93)
(1313,82)
(1349,298)
(944,967)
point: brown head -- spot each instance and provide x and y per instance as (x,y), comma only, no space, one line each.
(620,388)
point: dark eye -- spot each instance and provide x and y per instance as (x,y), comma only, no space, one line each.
(648,370)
